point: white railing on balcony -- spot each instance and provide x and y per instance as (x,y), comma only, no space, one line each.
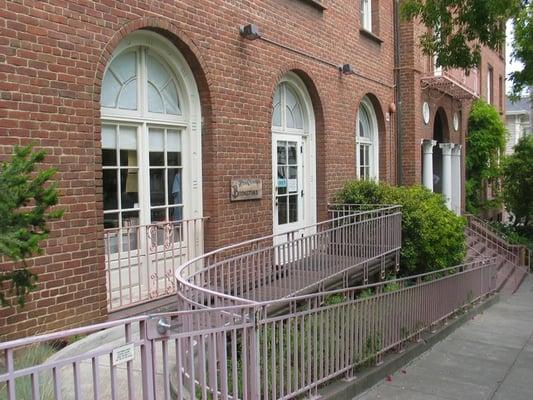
(140,261)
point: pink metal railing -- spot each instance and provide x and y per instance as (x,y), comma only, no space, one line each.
(516,254)
(140,260)
(284,265)
(245,352)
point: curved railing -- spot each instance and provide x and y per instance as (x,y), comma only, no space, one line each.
(342,248)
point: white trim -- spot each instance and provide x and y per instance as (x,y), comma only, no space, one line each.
(374,140)
(307,137)
(189,122)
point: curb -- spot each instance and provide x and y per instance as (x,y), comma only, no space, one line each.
(347,390)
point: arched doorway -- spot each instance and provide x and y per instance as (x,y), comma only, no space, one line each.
(440,135)
(293,156)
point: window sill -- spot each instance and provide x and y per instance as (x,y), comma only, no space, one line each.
(316,4)
(370,35)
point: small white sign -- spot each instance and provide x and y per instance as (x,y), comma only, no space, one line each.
(123,354)
(293,185)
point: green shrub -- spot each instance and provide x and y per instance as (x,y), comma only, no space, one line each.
(432,236)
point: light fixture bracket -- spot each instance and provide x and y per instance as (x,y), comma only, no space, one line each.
(250,32)
(346,69)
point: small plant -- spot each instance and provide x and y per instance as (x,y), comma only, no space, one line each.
(365,294)
(334,299)
(392,287)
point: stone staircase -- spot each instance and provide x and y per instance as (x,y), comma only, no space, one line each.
(513,260)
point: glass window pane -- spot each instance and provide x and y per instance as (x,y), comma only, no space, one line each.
(109,137)
(110,90)
(170,96)
(282,210)
(124,66)
(289,118)
(158,215)
(298,117)
(293,208)
(129,188)
(293,172)
(157,187)
(130,236)
(128,96)
(157,73)
(175,213)
(111,221)
(110,189)
(128,158)
(155,101)
(173,147)
(282,153)
(293,149)
(282,180)
(109,157)
(157,146)
(128,138)
(174,186)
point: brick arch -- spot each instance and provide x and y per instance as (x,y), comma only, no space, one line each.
(165,28)
(320,130)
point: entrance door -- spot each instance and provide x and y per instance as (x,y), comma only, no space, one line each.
(288,179)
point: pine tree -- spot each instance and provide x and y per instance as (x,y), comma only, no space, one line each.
(26,199)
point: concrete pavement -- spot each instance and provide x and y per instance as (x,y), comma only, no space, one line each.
(488,358)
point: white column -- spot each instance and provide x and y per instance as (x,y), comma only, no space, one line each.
(456,178)
(427,163)
(447,173)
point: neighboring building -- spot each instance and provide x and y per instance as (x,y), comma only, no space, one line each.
(151,110)
(434,109)
(517,121)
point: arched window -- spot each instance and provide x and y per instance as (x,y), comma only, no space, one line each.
(150,121)
(293,155)
(367,148)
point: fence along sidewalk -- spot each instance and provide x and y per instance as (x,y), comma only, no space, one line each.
(243,351)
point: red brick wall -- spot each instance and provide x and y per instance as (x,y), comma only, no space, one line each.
(52,59)
(414,66)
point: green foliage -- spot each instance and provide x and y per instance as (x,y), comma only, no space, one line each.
(26,197)
(365,294)
(392,287)
(523,48)
(432,236)
(518,182)
(485,142)
(458,29)
(334,299)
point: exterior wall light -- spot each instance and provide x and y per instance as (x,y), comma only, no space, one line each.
(346,69)
(250,32)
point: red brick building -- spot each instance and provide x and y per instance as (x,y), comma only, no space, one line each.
(151,109)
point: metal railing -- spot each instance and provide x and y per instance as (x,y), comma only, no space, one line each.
(140,261)
(245,352)
(516,254)
(292,263)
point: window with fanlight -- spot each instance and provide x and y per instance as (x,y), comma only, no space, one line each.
(146,129)
(367,142)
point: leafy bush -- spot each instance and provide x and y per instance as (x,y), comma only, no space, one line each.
(432,236)
(484,144)
(518,182)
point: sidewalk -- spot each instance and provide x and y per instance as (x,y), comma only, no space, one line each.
(489,358)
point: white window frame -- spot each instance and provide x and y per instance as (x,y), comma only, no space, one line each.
(188,123)
(366,14)
(372,142)
(490,88)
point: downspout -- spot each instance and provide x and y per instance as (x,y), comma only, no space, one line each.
(398,95)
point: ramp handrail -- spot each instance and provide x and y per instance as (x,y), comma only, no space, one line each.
(278,266)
